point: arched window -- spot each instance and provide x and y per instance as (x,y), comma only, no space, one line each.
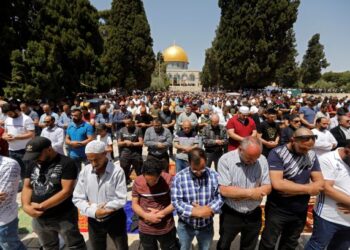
(192,77)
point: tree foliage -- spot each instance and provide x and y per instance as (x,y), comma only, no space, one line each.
(314,61)
(63,54)
(253,39)
(128,59)
(15,29)
(160,80)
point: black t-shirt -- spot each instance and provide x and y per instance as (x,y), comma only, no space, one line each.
(269,132)
(46,182)
(147,118)
(133,136)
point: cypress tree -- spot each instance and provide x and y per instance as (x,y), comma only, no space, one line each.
(252,40)
(287,73)
(128,59)
(314,61)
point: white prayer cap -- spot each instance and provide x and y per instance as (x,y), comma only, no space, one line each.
(244,110)
(95,147)
(254,110)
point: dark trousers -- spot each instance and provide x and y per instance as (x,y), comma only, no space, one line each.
(213,157)
(287,224)
(48,229)
(232,223)
(17,156)
(126,163)
(163,159)
(115,227)
(166,241)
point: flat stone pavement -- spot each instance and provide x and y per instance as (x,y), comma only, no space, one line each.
(31,240)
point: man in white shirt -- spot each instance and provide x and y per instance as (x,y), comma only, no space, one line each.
(19,129)
(332,210)
(54,133)
(101,194)
(325,141)
(10,172)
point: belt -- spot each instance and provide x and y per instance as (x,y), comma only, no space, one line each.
(241,213)
(193,227)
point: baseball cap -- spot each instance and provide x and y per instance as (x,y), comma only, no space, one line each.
(34,148)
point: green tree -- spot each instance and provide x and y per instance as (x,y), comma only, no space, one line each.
(160,80)
(15,30)
(129,59)
(314,61)
(65,54)
(287,73)
(210,72)
(252,40)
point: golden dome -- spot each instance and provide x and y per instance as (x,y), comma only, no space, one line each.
(175,54)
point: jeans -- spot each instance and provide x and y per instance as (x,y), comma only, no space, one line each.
(9,239)
(285,223)
(232,223)
(18,156)
(186,234)
(213,157)
(48,229)
(166,241)
(115,227)
(180,164)
(325,232)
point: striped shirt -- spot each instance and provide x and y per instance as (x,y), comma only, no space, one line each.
(188,189)
(233,172)
(156,197)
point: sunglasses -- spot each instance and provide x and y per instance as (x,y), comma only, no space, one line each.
(305,138)
(296,121)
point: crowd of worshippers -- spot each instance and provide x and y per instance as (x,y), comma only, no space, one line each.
(231,153)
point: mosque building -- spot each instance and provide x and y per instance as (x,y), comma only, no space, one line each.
(181,78)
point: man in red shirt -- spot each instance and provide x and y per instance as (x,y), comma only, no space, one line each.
(151,201)
(240,126)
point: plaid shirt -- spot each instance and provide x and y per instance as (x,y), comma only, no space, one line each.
(187,189)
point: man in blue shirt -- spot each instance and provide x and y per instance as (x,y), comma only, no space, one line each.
(79,133)
(196,199)
(308,113)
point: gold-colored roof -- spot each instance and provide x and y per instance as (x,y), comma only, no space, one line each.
(175,54)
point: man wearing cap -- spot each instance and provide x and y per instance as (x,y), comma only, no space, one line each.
(19,129)
(47,195)
(240,126)
(101,194)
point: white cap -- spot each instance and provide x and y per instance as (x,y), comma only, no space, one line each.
(95,147)
(254,110)
(244,110)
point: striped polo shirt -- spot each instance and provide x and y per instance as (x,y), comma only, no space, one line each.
(156,197)
(233,172)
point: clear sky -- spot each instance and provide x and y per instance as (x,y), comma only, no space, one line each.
(192,24)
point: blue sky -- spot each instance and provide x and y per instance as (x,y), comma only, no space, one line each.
(192,23)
